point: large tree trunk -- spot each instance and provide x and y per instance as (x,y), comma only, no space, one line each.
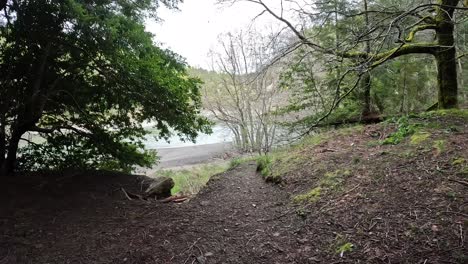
(446,57)
(2,139)
(8,164)
(30,113)
(447,79)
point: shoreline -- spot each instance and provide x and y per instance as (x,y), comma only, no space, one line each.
(187,156)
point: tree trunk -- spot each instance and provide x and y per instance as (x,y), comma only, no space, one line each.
(447,79)
(446,57)
(8,165)
(2,139)
(461,80)
(366,77)
(366,87)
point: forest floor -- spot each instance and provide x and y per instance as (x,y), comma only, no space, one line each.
(344,197)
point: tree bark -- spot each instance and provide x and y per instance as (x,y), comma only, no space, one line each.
(28,115)
(447,79)
(446,56)
(366,77)
(8,165)
(2,140)
(366,87)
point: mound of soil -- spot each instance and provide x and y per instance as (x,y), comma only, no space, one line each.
(397,204)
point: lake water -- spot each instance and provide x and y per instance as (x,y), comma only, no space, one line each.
(220,134)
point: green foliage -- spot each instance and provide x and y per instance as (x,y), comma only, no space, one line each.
(464,172)
(86,76)
(311,140)
(264,165)
(310,197)
(341,245)
(191,181)
(239,160)
(404,129)
(61,152)
(346,247)
(329,182)
(419,137)
(318,81)
(235,162)
(458,161)
(332,180)
(461,113)
(439,146)
(405,85)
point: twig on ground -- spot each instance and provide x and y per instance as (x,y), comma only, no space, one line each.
(126,194)
(250,239)
(462,239)
(201,258)
(459,181)
(188,249)
(130,196)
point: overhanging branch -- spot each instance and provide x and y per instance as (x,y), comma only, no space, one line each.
(405,49)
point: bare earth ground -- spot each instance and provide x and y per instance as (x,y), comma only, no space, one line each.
(398,204)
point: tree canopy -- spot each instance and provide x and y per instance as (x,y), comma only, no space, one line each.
(85,75)
(335,46)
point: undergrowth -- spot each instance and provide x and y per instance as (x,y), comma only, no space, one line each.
(239,160)
(404,130)
(191,181)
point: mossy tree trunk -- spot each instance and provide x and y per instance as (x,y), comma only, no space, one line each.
(446,57)
(366,77)
(365,83)
(447,79)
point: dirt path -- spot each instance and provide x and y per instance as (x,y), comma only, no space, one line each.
(237,218)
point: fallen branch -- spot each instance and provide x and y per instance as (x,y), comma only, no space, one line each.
(459,181)
(175,199)
(130,196)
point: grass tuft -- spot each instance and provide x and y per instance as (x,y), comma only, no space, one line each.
(189,182)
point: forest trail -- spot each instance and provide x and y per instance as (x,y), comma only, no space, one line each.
(237,218)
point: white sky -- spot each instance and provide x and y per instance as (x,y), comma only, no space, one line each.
(193,31)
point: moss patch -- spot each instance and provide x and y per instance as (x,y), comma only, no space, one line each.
(458,161)
(439,146)
(329,182)
(312,140)
(419,137)
(312,196)
(461,113)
